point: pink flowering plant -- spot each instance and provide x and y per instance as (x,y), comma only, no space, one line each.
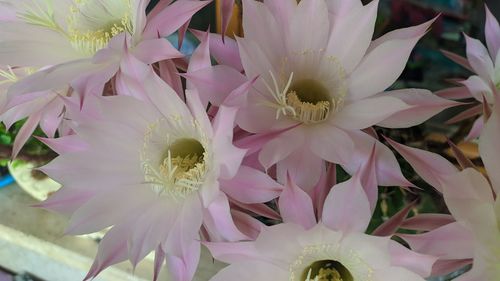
(264,148)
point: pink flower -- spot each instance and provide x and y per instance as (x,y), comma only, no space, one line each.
(152,170)
(471,200)
(320,82)
(301,249)
(485,84)
(475,235)
(83,42)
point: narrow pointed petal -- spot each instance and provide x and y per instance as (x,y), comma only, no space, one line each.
(158,263)
(296,206)
(232,252)
(220,214)
(281,147)
(247,224)
(296,163)
(427,222)
(154,50)
(458,60)
(172,18)
(479,58)
(389,227)
(451,241)
(424,105)
(478,88)
(226,7)
(351,35)
(229,156)
(251,186)
(207,82)
(361,114)
(346,207)
(456,93)
(25,133)
(368,80)
(488,147)
(225,52)
(404,257)
(492,32)
(430,166)
(200,58)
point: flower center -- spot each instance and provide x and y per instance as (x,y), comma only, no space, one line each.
(306,100)
(92,23)
(310,101)
(326,270)
(180,170)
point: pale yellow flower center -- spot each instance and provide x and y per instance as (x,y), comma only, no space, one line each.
(180,169)
(92,23)
(326,270)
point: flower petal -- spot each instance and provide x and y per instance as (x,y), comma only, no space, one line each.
(479,58)
(346,207)
(492,32)
(296,206)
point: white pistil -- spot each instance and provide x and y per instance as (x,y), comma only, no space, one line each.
(280,96)
(10,76)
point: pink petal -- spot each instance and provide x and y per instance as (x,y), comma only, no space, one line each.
(418,263)
(479,58)
(251,186)
(456,93)
(183,268)
(296,206)
(296,163)
(367,79)
(360,114)
(492,32)
(208,82)
(248,225)
(281,147)
(171,18)
(97,213)
(66,144)
(25,133)
(112,249)
(226,7)
(466,114)
(427,222)
(340,152)
(158,263)
(229,156)
(451,241)
(258,209)
(478,88)
(476,129)
(233,252)
(66,200)
(326,182)
(52,117)
(260,26)
(222,220)
(387,167)
(154,50)
(170,74)
(309,15)
(488,147)
(352,34)
(346,207)
(430,166)
(458,60)
(200,58)
(444,267)
(423,104)
(251,271)
(389,227)
(225,52)
(182,245)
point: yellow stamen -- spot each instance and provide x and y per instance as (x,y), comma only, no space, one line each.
(308,112)
(89,39)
